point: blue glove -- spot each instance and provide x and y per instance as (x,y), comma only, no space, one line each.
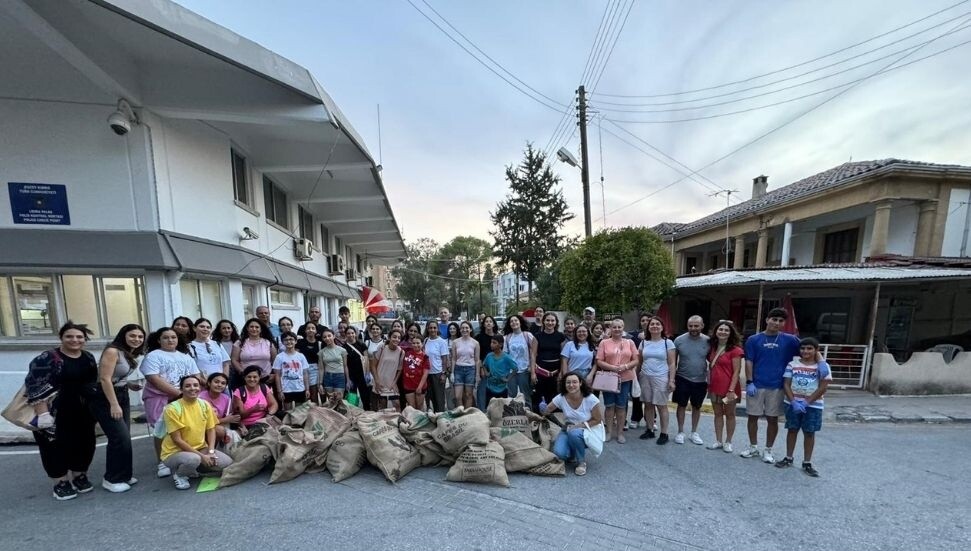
(750,390)
(798,406)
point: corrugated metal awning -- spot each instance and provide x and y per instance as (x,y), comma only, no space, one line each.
(817,274)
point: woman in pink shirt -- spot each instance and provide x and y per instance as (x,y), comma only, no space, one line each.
(221,403)
(253,401)
(256,348)
(617,355)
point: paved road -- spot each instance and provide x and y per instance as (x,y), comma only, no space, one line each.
(882,486)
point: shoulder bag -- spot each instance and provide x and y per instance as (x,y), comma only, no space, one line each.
(594,438)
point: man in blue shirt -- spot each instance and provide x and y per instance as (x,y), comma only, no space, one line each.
(444,316)
(766,356)
(263,314)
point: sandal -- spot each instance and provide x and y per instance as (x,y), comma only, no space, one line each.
(581,469)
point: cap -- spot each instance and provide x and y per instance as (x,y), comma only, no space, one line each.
(590,309)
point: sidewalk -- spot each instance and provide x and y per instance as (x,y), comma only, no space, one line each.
(842,406)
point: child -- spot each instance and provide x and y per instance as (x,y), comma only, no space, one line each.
(501,368)
(221,404)
(292,371)
(414,374)
(806,380)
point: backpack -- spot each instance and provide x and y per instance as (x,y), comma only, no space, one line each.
(242,392)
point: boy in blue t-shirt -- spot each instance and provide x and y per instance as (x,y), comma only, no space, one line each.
(501,368)
(806,380)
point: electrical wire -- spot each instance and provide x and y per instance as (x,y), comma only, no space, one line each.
(785,88)
(770,132)
(783,69)
(846,85)
(613,44)
(805,73)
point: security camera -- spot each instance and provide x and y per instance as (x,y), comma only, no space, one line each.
(249,234)
(121,120)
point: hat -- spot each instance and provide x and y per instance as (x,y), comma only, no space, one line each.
(590,309)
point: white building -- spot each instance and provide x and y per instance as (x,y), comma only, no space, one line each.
(504,290)
(238,183)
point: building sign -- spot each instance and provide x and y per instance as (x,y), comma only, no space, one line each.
(39,204)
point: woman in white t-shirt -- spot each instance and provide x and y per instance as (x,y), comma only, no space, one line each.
(656,377)
(581,409)
(210,357)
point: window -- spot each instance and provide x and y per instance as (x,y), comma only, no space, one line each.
(240,185)
(324,239)
(249,299)
(202,298)
(283,297)
(28,306)
(275,203)
(306,224)
(840,246)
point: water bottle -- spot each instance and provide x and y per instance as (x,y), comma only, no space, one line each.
(542,406)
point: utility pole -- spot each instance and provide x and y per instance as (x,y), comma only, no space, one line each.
(728,241)
(584,165)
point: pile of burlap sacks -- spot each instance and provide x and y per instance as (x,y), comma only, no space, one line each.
(340,438)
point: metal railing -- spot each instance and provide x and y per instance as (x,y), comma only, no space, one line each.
(848,363)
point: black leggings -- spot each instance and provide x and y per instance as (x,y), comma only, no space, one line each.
(71,447)
(118,456)
(545,389)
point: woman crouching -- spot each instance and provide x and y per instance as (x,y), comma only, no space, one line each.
(190,435)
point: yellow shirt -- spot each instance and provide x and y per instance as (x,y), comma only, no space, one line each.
(192,419)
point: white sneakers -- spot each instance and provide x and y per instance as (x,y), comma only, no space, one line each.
(714,446)
(727,448)
(767,456)
(696,438)
(679,439)
(115,487)
(163,471)
(181,482)
(751,451)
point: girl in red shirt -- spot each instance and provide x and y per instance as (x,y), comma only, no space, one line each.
(414,374)
(725,358)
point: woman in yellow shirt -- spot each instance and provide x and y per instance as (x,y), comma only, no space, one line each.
(190,435)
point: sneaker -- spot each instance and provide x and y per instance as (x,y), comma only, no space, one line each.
(767,456)
(714,446)
(163,471)
(696,438)
(621,439)
(82,484)
(751,451)
(810,470)
(581,469)
(784,462)
(64,491)
(648,434)
(727,448)
(132,481)
(679,439)
(181,482)
(115,487)
(642,424)
(662,440)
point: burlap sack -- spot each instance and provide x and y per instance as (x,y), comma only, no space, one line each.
(480,463)
(520,451)
(298,415)
(416,427)
(258,449)
(301,450)
(345,408)
(458,429)
(386,448)
(508,413)
(325,424)
(544,432)
(346,455)
(553,468)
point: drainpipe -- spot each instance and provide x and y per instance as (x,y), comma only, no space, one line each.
(786,240)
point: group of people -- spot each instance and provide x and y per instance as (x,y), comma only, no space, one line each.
(205,385)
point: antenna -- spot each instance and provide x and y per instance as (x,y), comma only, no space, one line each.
(728,202)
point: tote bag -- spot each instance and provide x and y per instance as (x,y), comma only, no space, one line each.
(19,412)
(606,381)
(594,438)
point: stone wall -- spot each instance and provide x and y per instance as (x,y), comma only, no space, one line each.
(923,373)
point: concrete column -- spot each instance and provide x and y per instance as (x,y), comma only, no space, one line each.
(925,227)
(881,229)
(679,263)
(739,252)
(786,239)
(761,250)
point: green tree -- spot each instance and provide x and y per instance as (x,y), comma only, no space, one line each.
(461,264)
(415,276)
(633,267)
(529,220)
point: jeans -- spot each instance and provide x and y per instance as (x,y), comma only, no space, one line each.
(618,399)
(118,455)
(570,445)
(520,383)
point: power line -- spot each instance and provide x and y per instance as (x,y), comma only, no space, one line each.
(770,132)
(556,106)
(801,64)
(603,66)
(757,87)
(597,38)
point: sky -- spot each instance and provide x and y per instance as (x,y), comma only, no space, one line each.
(449,126)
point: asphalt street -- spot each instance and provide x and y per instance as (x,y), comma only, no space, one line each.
(882,486)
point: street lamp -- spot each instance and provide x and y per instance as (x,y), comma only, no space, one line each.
(564,155)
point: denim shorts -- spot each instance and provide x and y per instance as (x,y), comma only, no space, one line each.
(464,375)
(811,421)
(618,399)
(334,380)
